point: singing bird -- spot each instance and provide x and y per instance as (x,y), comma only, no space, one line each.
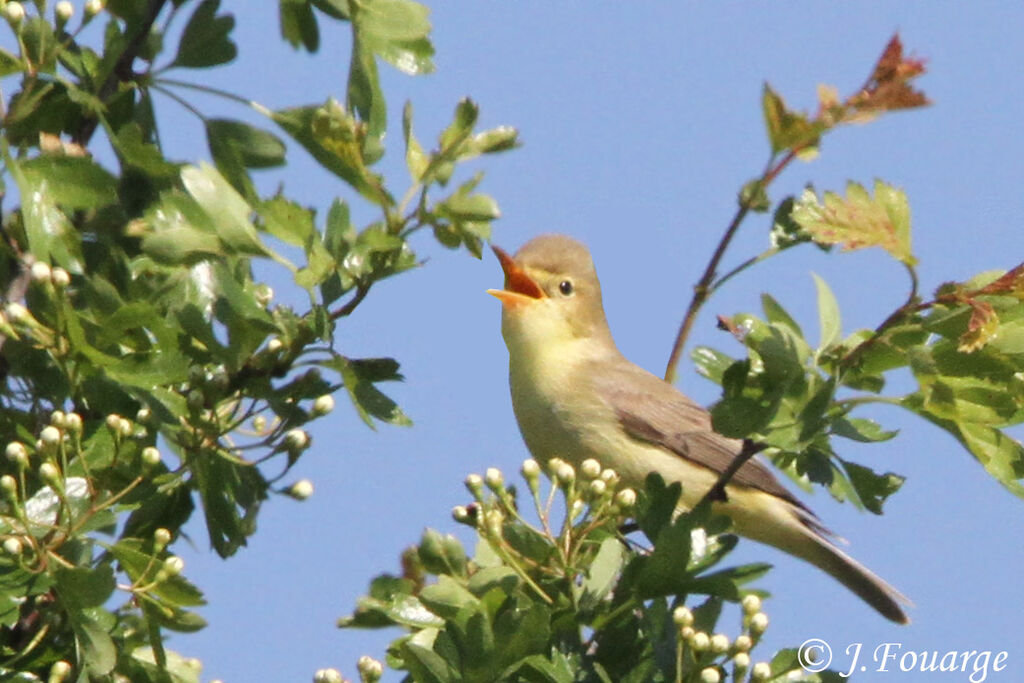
(575,396)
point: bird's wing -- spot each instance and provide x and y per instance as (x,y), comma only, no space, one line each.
(653,411)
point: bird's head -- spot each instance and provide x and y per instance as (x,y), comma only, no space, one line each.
(551,293)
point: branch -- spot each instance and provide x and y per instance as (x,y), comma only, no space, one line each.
(702,289)
(748,451)
(122,71)
(361,292)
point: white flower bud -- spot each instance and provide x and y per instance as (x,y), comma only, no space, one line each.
(59,671)
(300,490)
(174,565)
(143,415)
(73,423)
(124,427)
(530,469)
(161,537)
(264,294)
(700,641)
(719,643)
(17,453)
(12,546)
(475,484)
(14,12)
(553,465)
(741,660)
(296,439)
(590,468)
(323,404)
(259,423)
(710,675)
(50,436)
(49,473)
(370,670)
(64,10)
(565,474)
(761,672)
(686,633)
(682,616)
(57,418)
(327,676)
(576,509)
(494,478)
(113,422)
(150,456)
(9,484)
(597,488)
(60,278)
(94,7)
(460,513)
(626,498)
(41,271)
(610,477)
(16,313)
(274,345)
(743,643)
(758,623)
(751,604)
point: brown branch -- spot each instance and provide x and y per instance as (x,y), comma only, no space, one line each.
(122,71)
(702,289)
(748,451)
(361,292)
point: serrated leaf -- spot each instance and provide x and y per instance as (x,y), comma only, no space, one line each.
(787,129)
(859,220)
(861,429)
(298,24)
(73,182)
(205,40)
(368,400)
(397,31)
(872,488)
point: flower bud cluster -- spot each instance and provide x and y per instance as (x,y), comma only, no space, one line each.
(712,652)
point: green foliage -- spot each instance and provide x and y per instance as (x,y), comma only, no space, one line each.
(147,373)
(567,597)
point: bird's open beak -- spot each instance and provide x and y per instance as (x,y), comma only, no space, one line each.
(520,288)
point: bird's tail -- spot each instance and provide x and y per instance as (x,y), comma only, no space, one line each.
(870,587)
(795,530)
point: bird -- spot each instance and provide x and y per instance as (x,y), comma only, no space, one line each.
(575,397)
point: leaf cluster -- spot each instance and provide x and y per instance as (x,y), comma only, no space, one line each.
(568,597)
(134,301)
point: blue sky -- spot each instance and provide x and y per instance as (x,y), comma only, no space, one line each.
(640,121)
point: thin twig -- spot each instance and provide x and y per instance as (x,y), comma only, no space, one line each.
(748,451)
(361,292)
(703,288)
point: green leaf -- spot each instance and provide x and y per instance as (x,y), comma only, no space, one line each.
(335,139)
(872,488)
(73,182)
(415,158)
(711,363)
(369,401)
(861,429)
(828,314)
(94,641)
(176,669)
(298,24)
(397,31)
(81,587)
(205,40)
(787,130)
(442,554)
(227,210)
(775,313)
(51,236)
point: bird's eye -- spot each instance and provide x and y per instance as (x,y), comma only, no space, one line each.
(565,287)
